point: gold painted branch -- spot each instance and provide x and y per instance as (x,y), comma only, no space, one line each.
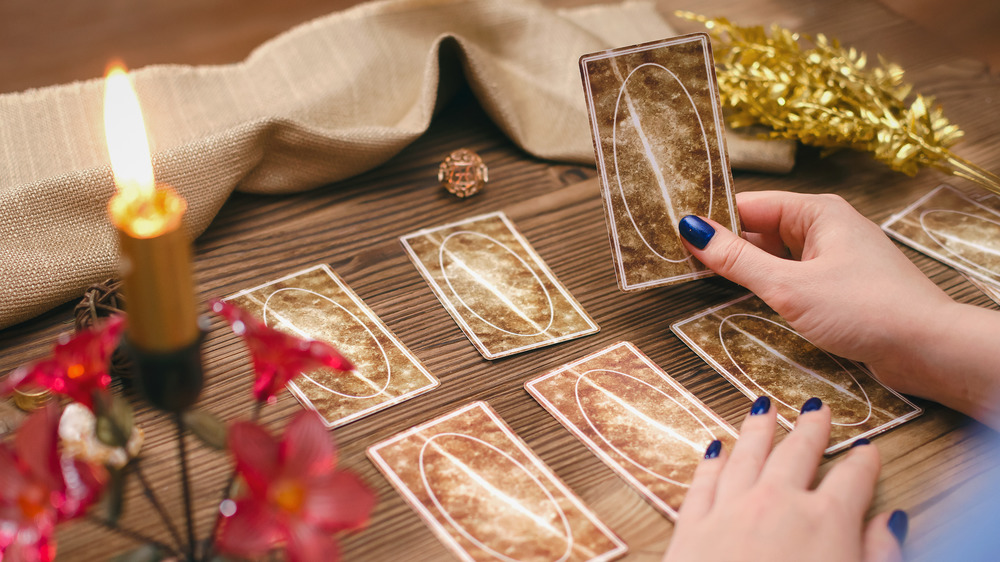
(827,95)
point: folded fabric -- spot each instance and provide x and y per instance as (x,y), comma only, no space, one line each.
(327,100)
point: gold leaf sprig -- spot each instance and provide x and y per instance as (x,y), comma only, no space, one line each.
(827,95)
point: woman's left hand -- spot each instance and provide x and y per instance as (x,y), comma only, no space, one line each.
(756,504)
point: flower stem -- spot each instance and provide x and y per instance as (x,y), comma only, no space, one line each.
(210,547)
(147,490)
(138,537)
(186,484)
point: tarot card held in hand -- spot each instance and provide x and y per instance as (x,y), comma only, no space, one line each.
(316,303)
(495,286)
(661,152)
(952,228)
(753,347)
(486,495)
(635,418)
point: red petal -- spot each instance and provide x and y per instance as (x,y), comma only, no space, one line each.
(250,532)
(340,501)
(307,449)
(256,454)
(36,444)
(310,544)
(11,477)
(17,377)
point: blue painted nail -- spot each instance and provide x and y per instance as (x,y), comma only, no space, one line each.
(696,231)
(760,406)
(899,525)
(859,442)
(812,405)
(713,450)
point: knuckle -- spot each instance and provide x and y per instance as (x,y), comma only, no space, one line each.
(733,257)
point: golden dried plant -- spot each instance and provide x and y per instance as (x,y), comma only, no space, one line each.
(829,96)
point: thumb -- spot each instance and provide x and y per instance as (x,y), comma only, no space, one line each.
(884,536)
(731,256)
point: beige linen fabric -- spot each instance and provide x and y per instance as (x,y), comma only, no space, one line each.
(327,100)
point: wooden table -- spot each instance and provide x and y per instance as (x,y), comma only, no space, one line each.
(930,465)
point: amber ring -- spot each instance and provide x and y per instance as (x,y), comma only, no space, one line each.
(463,173)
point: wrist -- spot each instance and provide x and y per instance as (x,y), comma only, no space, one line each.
(947,355)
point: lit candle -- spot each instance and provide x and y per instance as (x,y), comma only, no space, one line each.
(162,335)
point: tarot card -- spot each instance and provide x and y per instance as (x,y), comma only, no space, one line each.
(486,495)
(660,142)
(952,228)
(635,418)
(495,286)
(756,350)
(989,289)
(316,303)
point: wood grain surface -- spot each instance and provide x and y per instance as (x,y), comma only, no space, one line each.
(931,466)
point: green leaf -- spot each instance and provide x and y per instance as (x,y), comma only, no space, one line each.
(145,553)
(114,498)
(114,422)
(206,427)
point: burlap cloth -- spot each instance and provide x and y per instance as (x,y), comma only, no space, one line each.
(327,100)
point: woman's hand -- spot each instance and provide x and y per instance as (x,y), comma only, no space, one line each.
(841,283)
(756,505)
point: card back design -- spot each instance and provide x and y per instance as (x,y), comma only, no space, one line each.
(495,286)
(637,419)
(659,138)
(952,228)
(756,350)
(316,303)
(486,495)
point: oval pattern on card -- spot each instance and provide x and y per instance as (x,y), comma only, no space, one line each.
(627,414)
(663,162)
(780,363)
(492,499)
(321,318)
(495,285)
(973,240)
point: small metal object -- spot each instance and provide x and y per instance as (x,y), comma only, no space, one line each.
(30,399)
(463,173)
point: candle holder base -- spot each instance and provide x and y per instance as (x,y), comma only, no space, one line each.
(170,380)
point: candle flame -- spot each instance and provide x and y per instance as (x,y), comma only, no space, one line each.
(126,133)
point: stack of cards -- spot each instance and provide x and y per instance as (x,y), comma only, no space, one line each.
(317,304)
(634,417)
(496,286)
(487,495)
(952,228)
(658,133)
(756,350)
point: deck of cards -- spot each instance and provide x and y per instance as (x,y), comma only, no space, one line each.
(660,143)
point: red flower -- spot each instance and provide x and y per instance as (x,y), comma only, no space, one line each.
(78,365)
(277,357)
(39,488)
(294,497)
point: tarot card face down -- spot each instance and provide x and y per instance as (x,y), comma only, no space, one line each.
(635,418)
(496,286)
(756,350)
(658,133)
(952,228)
(317,304)
(485,493)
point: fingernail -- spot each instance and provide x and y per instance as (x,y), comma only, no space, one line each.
(713,450)
(859,442)
(760,406)
(811,405)
(899,524)
(696,231)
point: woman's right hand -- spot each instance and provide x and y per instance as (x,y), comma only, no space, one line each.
(840,282)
